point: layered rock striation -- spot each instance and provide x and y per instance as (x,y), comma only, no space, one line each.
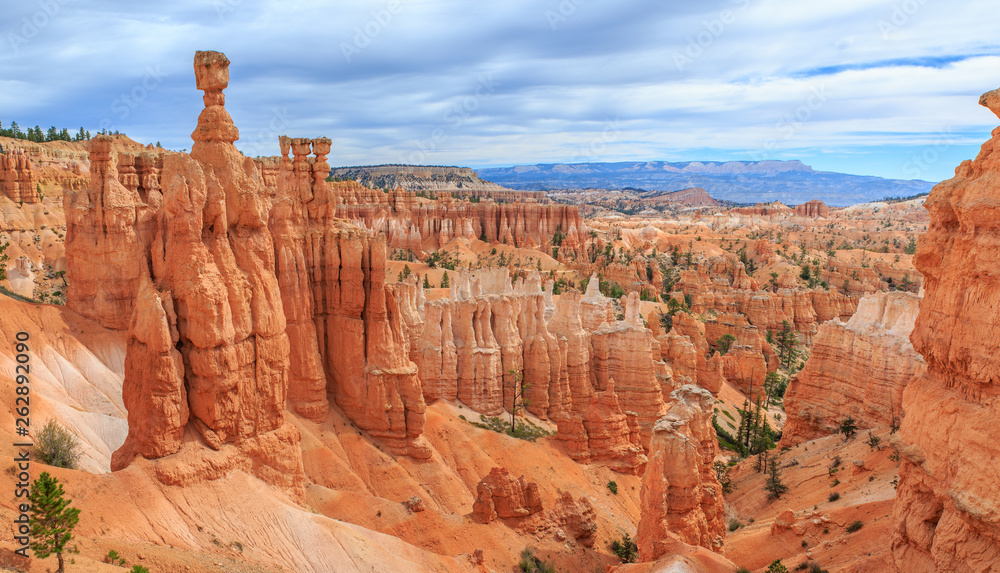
(18,181)
(345,322)
(190,274)
(681,499)
(946,512)
(858,368)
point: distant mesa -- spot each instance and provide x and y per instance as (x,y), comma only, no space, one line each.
(790,182)
(432,179)
(692,197)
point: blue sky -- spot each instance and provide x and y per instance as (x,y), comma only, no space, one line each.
(886,88)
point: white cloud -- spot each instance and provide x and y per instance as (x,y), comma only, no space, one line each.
(604,62)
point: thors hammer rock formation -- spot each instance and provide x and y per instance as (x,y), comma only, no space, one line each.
(195,276)
(947,515)
(681,497)
(858,369)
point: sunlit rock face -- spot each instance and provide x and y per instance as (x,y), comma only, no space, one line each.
(946,506)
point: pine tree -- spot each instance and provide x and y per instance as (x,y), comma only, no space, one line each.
(787,351)
(773,485)
(4,257)
(444,280)
(776,566)
(519,402)
(52,520)
(427,281)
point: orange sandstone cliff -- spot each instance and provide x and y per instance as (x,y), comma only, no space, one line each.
(946,512)
(858,369)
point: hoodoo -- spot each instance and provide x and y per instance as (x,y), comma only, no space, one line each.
(946,510)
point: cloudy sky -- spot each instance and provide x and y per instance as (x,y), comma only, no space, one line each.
(879,87)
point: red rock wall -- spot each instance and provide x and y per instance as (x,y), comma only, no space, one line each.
(17,178)
(429,225)
(946,504)
(108,230)
(858,368)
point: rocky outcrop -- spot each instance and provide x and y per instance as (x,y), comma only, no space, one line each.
(477,344)
(346,323)
(721,285)
(681,497)
(424,226)
(501,495)
(624,351)
(687,349)
(18,181)
(457,181)
(207,324)
(858,369)
(946,515)
(604,434)
(576,517)
(108,230)
(814,208)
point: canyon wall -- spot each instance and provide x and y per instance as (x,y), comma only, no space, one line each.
(723,286)
(946,514)
(345,322)
(423,226)
(858,369)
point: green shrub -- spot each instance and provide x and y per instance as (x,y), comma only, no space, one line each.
(57,446)
(776,566)
(613,486)
(626,549)
(523,430)
(854,526)
(114,558)
(734,524)
(834,496)
(139,569)
(848,427)
(531,564)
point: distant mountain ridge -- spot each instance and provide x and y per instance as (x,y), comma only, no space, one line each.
(791,182)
